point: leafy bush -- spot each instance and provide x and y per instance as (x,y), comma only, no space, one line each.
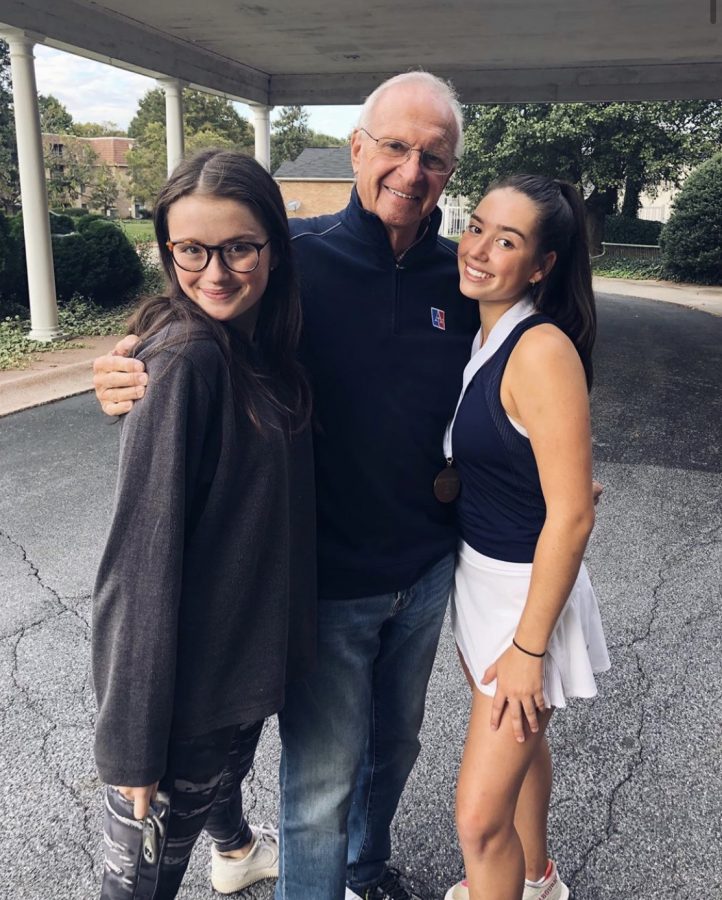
(112,268)
(74,212)
(623,230)
(692,239)
(87,219)
(98,262)
(626,267)
(77,317)
(8,249)
(154,281)
(61,224)
(69,252)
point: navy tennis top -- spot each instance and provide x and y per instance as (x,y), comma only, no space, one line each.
(501,507)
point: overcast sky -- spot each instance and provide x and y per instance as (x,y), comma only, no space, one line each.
(94,92)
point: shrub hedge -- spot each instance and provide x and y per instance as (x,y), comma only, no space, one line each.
(92,257)
(623,230)
(692,239)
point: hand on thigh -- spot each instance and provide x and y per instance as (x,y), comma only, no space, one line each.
(492,769)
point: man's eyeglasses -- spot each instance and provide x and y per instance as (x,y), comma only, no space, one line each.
(400,151)
(238,256)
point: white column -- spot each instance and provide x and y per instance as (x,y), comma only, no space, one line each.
(262,130)
(173,120)
(38,246)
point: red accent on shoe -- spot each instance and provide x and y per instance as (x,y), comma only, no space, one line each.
(550,867)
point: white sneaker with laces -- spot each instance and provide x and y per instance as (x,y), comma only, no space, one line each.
(552,888)
(229,875)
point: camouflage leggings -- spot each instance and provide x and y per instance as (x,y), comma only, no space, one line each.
(146,860)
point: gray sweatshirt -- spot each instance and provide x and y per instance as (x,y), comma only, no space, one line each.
(204,602)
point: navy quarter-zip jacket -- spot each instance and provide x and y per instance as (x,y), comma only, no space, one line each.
(385,342)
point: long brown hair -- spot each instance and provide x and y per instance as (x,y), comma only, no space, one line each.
(279,378)
(565,293)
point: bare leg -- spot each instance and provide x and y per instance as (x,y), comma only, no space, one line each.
(532,811)
(493,769)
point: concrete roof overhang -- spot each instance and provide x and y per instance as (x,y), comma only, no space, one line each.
(281,52)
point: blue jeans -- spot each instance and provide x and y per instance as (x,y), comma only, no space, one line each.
(350,736)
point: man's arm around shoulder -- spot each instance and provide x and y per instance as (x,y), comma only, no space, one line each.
(119,380)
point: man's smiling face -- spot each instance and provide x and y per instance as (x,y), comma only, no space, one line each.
(403,194)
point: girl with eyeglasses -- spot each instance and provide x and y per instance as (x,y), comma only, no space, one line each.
(204,603)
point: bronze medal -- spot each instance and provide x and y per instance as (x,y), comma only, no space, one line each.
(447,485)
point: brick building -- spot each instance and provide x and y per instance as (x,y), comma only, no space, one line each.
(317,182)
(111,151)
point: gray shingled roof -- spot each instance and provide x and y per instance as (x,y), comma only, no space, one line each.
(318,162)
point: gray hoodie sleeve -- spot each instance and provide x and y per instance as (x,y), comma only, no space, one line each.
(138,586)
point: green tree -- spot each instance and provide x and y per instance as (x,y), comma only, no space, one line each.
(104,190)
(147,159)
(207,139)
(319,139)
(98,129)
(9,179)
(692,239)
(209,121)
(54,117)
(604,148)
(147,163)
(289,135)
(71,168)
(201,111)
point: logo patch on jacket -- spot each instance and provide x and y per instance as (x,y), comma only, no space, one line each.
(438,318)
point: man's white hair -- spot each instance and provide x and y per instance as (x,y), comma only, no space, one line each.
(444,90)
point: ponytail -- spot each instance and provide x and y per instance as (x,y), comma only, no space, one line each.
(565,293)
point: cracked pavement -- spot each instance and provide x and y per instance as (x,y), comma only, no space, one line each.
(637,802)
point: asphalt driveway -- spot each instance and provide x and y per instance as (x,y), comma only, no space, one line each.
(637,808)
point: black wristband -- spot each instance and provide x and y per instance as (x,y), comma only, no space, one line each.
(528,652)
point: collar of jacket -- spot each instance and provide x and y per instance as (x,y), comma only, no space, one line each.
(367,227)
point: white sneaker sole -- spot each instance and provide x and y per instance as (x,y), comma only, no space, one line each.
(232,886)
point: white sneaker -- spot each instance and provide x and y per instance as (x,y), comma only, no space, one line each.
(552,888)
(229,875)
(351,896)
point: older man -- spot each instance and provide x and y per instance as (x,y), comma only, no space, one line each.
(386,337)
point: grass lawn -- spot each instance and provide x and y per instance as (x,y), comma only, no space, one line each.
(138,229)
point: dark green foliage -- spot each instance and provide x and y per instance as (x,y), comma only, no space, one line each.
(623,230)
(209,121)
(606,147)
(60,223)
(624,267)
(87,219)
(200,112)
(290,135)
(74,212)
(69,259)
(98,262)
(112,268)
(54,117)
(8,249)
(9,179)
(692,239)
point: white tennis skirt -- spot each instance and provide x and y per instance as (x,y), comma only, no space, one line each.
(486,604)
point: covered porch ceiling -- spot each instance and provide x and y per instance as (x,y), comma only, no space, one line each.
(281,52)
